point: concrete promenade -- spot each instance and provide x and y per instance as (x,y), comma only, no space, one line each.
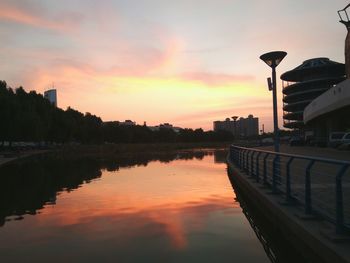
(312,236)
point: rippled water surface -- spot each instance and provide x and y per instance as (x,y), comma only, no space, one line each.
(178,208)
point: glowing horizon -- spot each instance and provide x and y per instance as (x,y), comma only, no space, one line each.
(162,62)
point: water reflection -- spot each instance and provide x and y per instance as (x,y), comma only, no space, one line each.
(27,185)
(160,208)
(277,246)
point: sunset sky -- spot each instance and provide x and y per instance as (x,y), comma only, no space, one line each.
(187,62)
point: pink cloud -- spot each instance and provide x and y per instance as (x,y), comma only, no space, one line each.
(23,15)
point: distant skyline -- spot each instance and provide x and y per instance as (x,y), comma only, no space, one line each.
(185,62)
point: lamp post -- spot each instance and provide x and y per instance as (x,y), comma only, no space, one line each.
(344,19)
(234,125)
(272,59)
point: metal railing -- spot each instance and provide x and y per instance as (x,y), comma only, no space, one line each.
(321,186)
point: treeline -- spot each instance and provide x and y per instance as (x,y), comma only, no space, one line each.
(28,116)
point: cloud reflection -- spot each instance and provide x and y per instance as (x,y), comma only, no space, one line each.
(161,210)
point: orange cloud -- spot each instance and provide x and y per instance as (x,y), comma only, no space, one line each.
(120,92)
(173,217)
(260,107)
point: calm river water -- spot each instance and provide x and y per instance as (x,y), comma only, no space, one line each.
(168,208)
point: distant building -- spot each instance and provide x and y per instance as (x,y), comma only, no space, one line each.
(243,127)
(51,95)
(248,126)
(164,126)
(226,125)
(127,123)
(169,126)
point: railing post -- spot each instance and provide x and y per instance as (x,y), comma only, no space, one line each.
(308,202)
(243,159)
(251,163)
(274,173)
(265,168)
(246,162)
(232,153)
(257,167)
(240,158)
(339,200)
(237,151)
(288,188)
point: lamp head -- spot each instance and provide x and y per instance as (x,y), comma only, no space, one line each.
(344,17)
(272,59)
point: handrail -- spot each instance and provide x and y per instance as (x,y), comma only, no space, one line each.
(244,158)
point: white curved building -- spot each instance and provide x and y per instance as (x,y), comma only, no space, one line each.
(336,98)
(330,112)
(305,83)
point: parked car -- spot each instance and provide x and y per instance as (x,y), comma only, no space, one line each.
(345,142)
(346,138)
(338,138)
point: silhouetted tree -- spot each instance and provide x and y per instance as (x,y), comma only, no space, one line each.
(30,117)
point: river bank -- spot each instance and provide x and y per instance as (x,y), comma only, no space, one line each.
(103,151)
(13,156)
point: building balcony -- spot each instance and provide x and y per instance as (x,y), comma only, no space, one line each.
(297,115)
(293,124)
(307,94)
(324,82)
(296,106)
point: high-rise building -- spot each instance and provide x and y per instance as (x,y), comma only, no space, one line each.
(51,95)
(243,127)
(248,126)
(226,125)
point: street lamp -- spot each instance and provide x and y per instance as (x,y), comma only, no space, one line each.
(272,59)
(343,15)
(234,118)
(344,19)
